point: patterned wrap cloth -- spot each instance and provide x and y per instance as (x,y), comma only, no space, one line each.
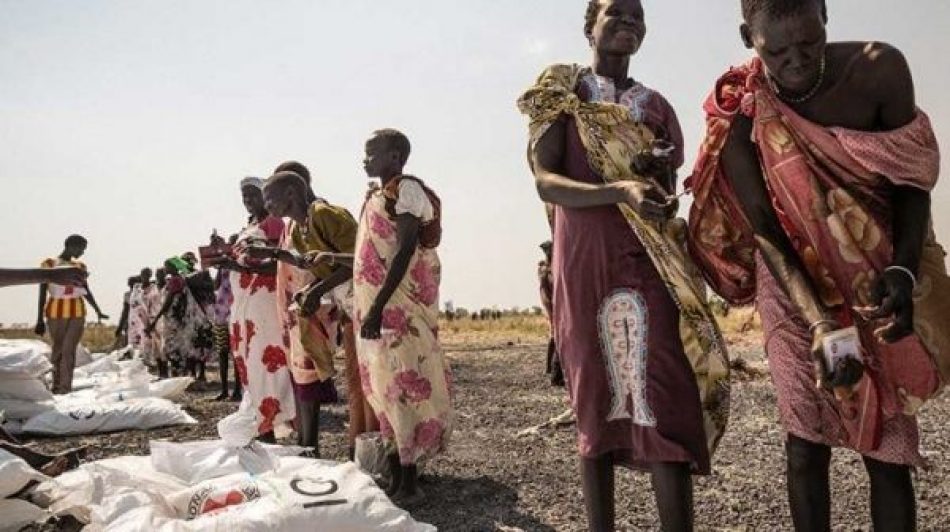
(831,189)
(611,135)
(405,377)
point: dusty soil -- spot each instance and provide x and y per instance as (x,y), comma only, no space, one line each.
(493,479)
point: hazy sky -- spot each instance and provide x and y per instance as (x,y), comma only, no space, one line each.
(131,122)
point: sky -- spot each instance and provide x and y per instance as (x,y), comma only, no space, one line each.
(132,122)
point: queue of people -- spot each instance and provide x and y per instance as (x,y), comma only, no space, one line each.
(811,199)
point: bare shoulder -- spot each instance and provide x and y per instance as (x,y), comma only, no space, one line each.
(879,69)
(880,72)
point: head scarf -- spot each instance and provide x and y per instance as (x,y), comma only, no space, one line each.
(180,265)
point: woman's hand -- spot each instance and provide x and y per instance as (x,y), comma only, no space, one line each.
(892,302)
(316,258)
(645,199)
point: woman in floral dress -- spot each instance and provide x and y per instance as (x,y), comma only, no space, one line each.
(396,290)
(259,342)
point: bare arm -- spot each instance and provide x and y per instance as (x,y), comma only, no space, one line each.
(741,165)
(892,294)
(40,328)
(92,302)
(546,160)
(407,236)
(123,319)
(166,305)
(315,290)
(19,276)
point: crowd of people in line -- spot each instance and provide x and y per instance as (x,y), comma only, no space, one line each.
(811,198)
(302,278)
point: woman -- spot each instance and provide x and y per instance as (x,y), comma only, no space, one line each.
(144,303)
(223,300)
(396,276)
(812,198)
(187,334)
(258,341)
(61,307)
(643,360)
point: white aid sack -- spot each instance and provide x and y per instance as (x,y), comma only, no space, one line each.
(168,388)
(15,474)
(25,356)
(83,356)
(134,414)
(17,513)
(20,409)
(107,364)
(301,496)
(23,386)
(194,462)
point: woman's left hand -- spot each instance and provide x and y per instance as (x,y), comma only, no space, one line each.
(372,324)
(892,301)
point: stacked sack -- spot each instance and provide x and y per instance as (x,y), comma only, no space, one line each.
(23,392)
(110,394)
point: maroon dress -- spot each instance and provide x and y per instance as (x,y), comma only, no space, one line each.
(631,386)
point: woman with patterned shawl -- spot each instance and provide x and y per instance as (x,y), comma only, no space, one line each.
(812,197)
(644,362)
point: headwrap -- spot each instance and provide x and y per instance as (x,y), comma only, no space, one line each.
(180,265)
(255,182)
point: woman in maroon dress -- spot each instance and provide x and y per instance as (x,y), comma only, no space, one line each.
(604,151)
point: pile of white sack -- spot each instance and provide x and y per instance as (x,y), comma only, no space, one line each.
(232,484)
(109,394)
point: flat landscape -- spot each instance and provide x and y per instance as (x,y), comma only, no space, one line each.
(500,476)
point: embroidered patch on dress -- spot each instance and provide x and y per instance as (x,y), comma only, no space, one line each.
(622,321)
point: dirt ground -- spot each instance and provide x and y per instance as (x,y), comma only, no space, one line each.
(494,479)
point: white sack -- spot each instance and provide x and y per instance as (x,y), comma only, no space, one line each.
(135,414)
(25,356)
(198,461)
(23,386)
(302,495)
(83,356)
(20,409)
(17,513)
(15,474)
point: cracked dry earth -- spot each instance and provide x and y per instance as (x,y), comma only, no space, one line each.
(495,479)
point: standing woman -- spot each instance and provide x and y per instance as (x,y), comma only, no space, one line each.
(186,318)
(258,341)
(64,312)
(644,363)
(144,304)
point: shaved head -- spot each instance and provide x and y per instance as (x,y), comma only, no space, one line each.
(295,167)
(287,179)
(777,9)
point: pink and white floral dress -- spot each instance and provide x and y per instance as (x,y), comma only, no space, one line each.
(405,378)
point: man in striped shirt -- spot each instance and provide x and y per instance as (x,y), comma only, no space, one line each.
(63,311)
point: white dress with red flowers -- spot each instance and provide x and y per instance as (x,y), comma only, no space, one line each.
(406,379)
(258,340)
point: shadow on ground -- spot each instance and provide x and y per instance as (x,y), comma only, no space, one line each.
(473,504)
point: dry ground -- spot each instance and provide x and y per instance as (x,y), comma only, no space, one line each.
(492,479)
